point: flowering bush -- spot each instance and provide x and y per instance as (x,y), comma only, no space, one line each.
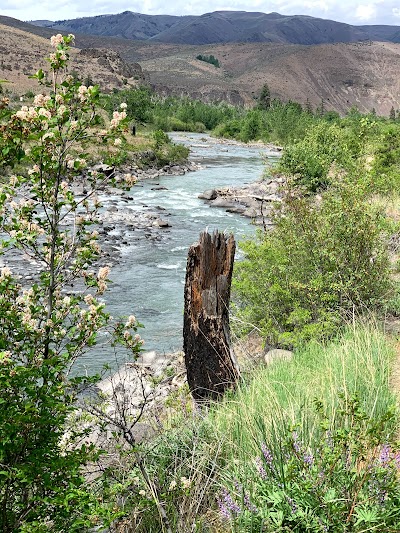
(347,479)
(44,328)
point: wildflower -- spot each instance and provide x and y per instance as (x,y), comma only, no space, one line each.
(172,485)
(40,100)
(48,135)
(384,456)
(142,492)
(117,142)
(34,170)
(250,506)
(123,105)
(5,357)
(185,482)
(261,469)
(131,321)
(44,113)
(103,273)
(267,455)
(89,299)
(223,509)
(55,40)
(233,507)
(61,110)
(308,459)
(292,504)
(296,444)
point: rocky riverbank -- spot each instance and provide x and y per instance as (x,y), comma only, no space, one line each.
(254,200)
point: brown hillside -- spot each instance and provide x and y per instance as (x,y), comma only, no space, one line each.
(22,54)
(365,75)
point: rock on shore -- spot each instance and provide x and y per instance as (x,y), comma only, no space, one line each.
(254,200)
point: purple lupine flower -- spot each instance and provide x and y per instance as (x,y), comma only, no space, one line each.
(296,444)
(230,503)
(260,468)
(223,509)
(292,504)
(238,486)
(267,455)
(250,506)
(308,459)
(384,456)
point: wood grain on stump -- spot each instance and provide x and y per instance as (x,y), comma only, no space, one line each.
(210,361)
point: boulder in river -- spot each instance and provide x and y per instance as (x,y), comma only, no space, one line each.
(210,194)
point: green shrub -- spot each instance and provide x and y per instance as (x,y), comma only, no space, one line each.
(209,59)
(311,159)
(322,259)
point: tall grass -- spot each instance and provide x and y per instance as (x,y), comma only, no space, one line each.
(212,448)
(283,394)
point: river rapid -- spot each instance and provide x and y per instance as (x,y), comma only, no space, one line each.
(148,280)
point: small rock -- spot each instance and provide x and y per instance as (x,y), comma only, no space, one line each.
(162,223)
(277,355)
(210,194)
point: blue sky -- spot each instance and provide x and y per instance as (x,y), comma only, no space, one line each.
(350,11)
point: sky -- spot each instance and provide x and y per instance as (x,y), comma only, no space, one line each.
(350,11)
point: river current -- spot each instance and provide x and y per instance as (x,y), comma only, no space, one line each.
(149,280)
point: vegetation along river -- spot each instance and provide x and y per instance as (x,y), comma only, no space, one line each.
(148,281)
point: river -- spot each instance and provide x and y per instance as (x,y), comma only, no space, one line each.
(148,281)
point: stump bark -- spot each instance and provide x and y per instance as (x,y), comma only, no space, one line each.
(210,362)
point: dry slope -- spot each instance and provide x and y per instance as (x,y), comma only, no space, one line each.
(22,54)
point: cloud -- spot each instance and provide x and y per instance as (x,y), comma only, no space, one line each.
(350,11)
(366,12)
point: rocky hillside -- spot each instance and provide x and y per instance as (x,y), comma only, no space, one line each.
(223,27)
(23,53)
(364,74)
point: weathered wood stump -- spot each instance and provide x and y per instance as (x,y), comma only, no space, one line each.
(210,362)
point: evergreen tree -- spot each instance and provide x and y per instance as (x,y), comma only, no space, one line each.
(264,100)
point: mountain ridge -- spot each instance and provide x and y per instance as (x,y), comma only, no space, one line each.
(224,26)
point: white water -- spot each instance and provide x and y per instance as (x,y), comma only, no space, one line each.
(149,280)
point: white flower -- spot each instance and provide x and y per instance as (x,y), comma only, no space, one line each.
(48,135)
(103,273)
(131,321)
(55,40)
(44,113)
(5,272)
(185,482)
(124,105)
(117,142)
(61,110)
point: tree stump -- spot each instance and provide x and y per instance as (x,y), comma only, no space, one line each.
(210,362)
